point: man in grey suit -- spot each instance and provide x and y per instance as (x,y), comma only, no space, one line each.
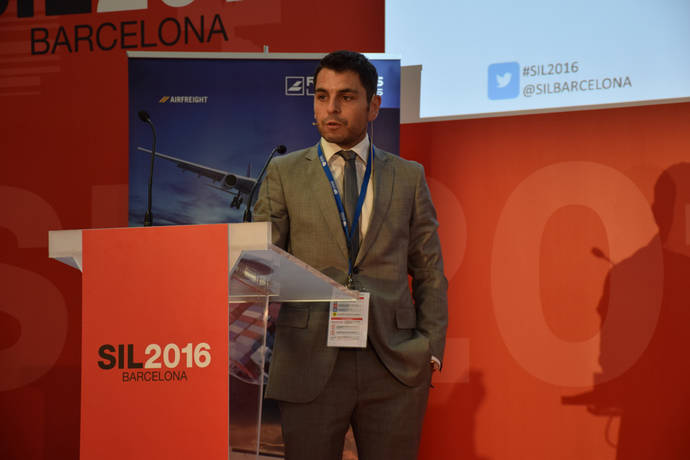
(382,389)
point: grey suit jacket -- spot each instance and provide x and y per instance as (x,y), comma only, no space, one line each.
(405,328)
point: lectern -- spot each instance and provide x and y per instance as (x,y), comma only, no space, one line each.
(169,314)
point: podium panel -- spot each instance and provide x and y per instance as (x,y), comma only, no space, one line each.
(154,346)
(174,336)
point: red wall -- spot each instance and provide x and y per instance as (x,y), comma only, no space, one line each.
(521,201)
(64,166)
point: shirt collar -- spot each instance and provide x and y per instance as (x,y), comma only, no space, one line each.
(361,149)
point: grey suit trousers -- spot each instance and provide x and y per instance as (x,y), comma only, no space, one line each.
(386,415)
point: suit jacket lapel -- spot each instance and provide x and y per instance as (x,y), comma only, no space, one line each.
(384,176)
(323,196)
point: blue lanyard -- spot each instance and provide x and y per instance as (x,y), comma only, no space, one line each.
(349,232)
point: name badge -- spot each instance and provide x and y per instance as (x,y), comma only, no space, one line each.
(348,323)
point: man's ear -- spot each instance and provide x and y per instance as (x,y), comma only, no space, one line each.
(374,106)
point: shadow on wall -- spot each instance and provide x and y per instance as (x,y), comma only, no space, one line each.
(467,397)
(649,291)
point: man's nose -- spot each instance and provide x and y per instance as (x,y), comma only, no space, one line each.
(333,105)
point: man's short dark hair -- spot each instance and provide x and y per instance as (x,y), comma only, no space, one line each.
(341,61)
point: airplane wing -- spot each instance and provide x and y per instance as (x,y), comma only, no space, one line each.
(216,175)
(227,181)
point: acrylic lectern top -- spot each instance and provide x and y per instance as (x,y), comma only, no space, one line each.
(258,268)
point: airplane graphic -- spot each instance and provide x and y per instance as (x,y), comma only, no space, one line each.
(234,184)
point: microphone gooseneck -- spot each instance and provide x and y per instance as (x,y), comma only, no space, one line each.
(280,149)
(146,118)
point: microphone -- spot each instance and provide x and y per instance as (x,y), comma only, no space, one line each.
(280,149)
(146,118)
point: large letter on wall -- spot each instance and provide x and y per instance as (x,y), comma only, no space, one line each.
(515,279)
(33,300)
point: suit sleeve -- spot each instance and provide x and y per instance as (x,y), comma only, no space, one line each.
(425,265)
(271,206)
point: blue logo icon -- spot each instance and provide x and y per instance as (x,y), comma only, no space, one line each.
(504,80)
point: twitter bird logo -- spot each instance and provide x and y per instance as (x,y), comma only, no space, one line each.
(504,80)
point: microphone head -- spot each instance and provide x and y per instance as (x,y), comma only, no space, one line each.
(144,116)
(281,149)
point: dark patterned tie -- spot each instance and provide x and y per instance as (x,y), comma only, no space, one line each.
(350,195)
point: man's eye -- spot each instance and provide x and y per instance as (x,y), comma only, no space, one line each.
(347,98)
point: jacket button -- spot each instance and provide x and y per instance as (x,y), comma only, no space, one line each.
(355,270)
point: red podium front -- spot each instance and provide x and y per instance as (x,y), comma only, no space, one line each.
(154,359)
(156,341)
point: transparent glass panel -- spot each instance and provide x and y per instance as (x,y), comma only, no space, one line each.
(283,277)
